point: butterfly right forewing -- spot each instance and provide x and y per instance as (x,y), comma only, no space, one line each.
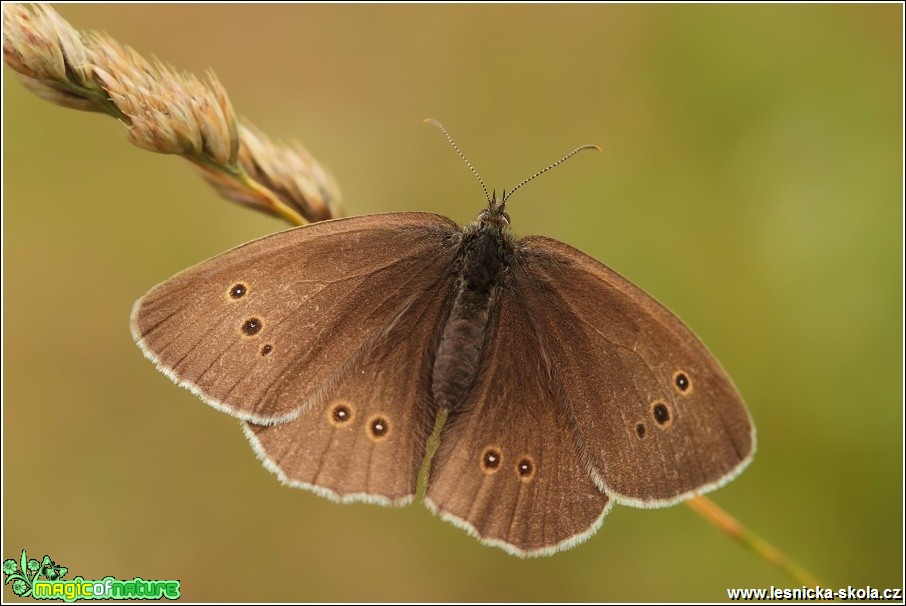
(659,417)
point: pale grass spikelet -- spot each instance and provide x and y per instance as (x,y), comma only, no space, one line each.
(41,45)
(169,111)
(220,125)
(59,95)
(291,172)
(165,110)
(50,57)
(109,57)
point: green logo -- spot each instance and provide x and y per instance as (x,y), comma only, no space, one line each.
(44,580)
(25,572)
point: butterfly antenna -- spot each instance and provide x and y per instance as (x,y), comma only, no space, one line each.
(557,163)
(461,155)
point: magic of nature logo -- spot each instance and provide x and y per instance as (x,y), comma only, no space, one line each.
(44,580)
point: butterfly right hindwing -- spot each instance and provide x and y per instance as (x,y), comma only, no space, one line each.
(509,468)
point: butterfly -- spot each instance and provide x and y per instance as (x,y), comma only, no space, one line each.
(565,387)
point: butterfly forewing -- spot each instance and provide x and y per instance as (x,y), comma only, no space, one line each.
(257,330)
(508,468)
(659,417)
(364,437)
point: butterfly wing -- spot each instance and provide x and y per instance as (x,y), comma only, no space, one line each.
(258,330)
(364,438)
(659,417)
(508,468)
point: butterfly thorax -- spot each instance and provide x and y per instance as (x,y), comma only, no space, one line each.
(481,264)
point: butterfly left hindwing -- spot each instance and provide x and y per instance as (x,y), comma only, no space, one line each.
(364,435)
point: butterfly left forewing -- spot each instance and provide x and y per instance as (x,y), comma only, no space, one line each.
(660,418)
(508,468)
(363,437)
(257,330)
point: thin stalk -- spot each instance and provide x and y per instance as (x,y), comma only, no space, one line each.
(709,510)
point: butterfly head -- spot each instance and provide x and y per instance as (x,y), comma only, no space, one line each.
(495,214)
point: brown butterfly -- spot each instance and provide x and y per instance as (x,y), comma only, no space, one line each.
(567,388)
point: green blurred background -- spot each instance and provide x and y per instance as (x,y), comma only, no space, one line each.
(750,180)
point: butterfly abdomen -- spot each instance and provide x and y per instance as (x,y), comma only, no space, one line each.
(482,260)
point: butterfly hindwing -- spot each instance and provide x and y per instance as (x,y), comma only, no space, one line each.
(660,418)
(364,436)
(257,330)
(509,469)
